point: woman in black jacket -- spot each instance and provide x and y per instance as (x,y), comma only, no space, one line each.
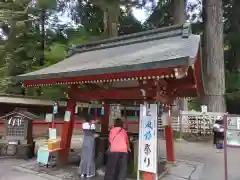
(218,131)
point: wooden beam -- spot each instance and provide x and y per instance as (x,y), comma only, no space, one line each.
(67,130)
(164,99)
(162,82)
(122,93)
(92,86)
(99,77)
(133,93)
(198,75)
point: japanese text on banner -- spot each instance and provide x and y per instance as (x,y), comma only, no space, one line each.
(148,141)
(148,135)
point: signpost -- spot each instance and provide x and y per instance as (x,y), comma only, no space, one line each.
(147,159)
(231,137)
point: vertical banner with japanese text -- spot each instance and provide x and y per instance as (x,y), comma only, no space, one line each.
(233,131)
(148,138)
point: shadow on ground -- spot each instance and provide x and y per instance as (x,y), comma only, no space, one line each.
(70,171)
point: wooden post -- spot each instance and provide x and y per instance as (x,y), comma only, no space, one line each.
(169,141)
(105,120)
(95,114)
(67,130)
(103,139)
(169,144)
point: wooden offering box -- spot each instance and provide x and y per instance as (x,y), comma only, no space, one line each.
(53,144)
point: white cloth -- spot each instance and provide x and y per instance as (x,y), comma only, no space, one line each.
(218,128)
(88,126)
(221,130)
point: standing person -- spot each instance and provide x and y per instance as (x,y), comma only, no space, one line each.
(118,152)
(218,130)
(87,164)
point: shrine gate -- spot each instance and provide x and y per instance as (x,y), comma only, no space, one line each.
(159,65)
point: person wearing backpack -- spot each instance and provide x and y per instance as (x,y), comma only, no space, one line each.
(116,168)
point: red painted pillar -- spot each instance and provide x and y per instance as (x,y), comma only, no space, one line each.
(148,176)
(169,141)
(67,130)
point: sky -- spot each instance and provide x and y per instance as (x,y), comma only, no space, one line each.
(140,14)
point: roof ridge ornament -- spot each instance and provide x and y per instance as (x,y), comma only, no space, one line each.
(186,30)
(174,30)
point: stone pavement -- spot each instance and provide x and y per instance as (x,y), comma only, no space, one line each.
(183,170)
(201,161)
(8,173)
(213,160)
(180,171)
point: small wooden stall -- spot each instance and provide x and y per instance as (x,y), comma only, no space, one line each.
(159,65)
(18,135)
(48,154)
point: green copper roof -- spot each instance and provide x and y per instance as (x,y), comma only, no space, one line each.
(159,48)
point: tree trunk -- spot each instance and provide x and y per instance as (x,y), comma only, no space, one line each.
(213,59)
(179,12)
(42,19)
(111,18)
(114,12)
(180,18)
(111,21)
(105,21)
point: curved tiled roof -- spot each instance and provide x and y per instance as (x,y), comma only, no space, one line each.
(160,48)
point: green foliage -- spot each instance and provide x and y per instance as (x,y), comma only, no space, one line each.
(129,24)
(161,16)
(194,104)
(20,40)
(233,86)
(56,92)
(46,4)
(231,46)
(91,15)
(15,22)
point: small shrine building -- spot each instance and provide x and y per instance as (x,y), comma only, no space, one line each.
(158,65)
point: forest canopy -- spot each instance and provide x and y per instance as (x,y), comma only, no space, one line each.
(33,34)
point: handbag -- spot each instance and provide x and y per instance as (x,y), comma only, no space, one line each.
(108,150)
